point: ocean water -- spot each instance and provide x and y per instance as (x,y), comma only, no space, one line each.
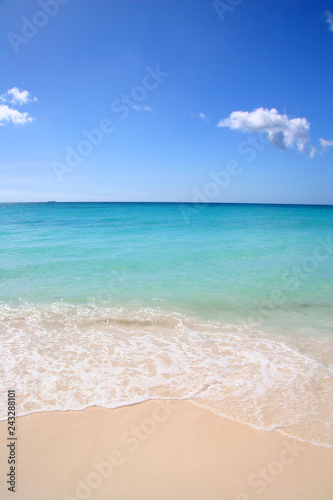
(230,306)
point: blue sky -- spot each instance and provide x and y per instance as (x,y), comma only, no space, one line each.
(156,78)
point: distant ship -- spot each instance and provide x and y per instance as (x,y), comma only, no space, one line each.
(51,202)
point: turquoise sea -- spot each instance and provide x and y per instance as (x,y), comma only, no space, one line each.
(230,306)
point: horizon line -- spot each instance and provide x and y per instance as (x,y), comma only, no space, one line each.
(176,202)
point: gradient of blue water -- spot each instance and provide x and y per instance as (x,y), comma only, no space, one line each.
(217,261)
(109,304)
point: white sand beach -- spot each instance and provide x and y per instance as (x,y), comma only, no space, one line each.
(161,450)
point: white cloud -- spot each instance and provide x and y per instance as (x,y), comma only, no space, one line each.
(17,96)
(8,115)
(138,107)
(326,144)
(283,132)
(329,19)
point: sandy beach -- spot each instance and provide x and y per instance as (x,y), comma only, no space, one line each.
(166,250)
(160,450)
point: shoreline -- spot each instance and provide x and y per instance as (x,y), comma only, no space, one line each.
(175,400)
(163,449)
(258,379)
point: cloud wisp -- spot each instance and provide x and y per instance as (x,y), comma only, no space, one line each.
(15,96)
(201,115)
(283,132)
(329,19)
(325,145)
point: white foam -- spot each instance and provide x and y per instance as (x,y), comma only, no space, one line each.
(65,357)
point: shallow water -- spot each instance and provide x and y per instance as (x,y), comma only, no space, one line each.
(228,305)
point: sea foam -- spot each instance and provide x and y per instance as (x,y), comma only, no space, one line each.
(68,357)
